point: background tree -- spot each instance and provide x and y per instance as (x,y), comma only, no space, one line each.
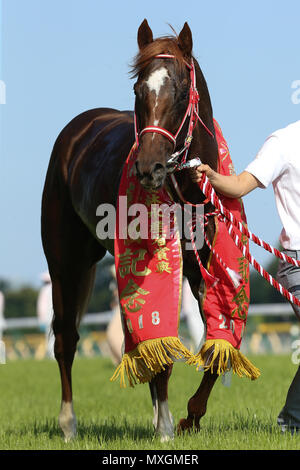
(261,292)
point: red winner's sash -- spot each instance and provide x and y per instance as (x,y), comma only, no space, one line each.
(149,276)
(225,306)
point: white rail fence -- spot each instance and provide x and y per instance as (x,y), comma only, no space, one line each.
(32,322)
(267,336)
(103,318)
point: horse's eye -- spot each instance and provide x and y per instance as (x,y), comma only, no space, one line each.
(183,94)
(137,90)
(184,90)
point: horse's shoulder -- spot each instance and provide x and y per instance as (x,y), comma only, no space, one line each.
(99,114)
(87,124)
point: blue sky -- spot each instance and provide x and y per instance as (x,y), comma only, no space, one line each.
(62,57)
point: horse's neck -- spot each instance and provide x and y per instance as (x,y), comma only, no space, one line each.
(204,145)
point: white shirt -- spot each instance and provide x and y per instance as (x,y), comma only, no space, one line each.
(278,162)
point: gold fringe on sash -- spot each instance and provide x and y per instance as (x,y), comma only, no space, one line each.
(224,357)
(149,358)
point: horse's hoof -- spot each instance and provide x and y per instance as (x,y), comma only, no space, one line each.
(67,421)
(166,438)
(69,438)
(165,435)
(187,425)
(69,433)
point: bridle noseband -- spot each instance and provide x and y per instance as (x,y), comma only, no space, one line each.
(192,112)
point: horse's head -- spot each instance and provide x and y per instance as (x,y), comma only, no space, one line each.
(162,98)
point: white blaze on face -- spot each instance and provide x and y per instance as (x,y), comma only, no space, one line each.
(154,83)
(156,80)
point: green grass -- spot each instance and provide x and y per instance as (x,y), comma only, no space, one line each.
(109,418)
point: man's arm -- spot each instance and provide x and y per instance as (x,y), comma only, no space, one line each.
(233,186)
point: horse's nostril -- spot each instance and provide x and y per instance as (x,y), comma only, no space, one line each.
(150,172)
(158,167)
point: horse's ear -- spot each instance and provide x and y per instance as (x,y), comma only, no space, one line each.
(185,40)
(145,35)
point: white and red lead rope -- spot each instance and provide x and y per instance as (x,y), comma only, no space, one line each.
(210,194)
(231,221)
(262,271)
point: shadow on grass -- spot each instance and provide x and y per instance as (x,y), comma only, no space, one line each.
(112,430)
(109,430)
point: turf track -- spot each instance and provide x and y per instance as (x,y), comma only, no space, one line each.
(109,418)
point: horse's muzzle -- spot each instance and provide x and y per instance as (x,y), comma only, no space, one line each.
(152,177)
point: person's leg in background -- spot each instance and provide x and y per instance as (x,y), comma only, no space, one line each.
(289,276)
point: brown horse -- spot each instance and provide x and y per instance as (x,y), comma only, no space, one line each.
(84,172)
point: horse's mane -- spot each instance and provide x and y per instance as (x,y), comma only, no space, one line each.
(163,45)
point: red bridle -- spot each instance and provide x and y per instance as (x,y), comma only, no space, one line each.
(192,112)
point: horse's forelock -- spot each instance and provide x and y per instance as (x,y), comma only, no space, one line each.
(165,45)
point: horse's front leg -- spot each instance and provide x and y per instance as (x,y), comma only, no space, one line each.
(163,419)
(198,403)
